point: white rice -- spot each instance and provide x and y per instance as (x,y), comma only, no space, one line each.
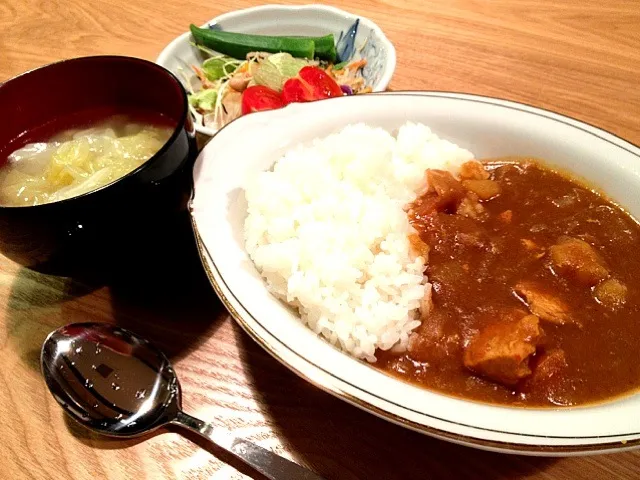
(327,230)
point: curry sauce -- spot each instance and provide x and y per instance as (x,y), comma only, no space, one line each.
(535,296)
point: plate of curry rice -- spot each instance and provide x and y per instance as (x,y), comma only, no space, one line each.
(463,266)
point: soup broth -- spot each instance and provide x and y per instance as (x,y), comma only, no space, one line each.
(80,160)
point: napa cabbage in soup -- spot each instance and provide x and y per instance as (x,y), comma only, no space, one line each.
(79,160)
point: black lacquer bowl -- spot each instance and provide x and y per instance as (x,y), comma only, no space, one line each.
(118,222)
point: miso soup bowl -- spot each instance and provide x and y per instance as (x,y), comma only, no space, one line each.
(119,220)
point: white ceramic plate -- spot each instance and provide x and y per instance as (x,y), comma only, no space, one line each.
(486,126)
(311,20)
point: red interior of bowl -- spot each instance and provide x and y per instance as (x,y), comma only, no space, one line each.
(40,103)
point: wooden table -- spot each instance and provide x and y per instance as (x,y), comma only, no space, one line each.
(578,57)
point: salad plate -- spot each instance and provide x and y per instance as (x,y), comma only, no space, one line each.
(356,38)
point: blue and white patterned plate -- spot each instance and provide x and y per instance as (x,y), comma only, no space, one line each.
(357,37)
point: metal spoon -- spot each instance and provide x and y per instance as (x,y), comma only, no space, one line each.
(116,383)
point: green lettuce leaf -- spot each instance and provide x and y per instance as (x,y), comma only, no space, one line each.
(217,67)
(204,99)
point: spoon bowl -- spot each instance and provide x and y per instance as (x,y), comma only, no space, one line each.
(109,379)
(116,383)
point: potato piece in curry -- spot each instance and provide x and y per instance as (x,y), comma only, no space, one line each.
(535,299)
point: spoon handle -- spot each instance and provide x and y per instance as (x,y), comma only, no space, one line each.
(272,466)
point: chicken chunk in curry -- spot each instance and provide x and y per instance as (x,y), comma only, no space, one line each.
(578,261)
(502,350)
(545,305)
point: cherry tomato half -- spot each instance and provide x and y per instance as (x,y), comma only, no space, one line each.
(294,90)
(258,98)
(311,83)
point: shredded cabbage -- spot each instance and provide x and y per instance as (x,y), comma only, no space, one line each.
(78,161)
